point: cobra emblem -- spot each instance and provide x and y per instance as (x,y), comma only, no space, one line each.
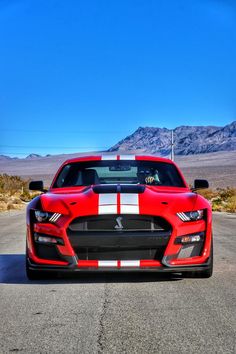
(119,225)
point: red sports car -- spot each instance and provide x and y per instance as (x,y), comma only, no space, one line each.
(119,213)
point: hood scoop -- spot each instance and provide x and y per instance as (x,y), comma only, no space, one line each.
(119,188)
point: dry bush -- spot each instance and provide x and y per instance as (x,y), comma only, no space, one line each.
(27,196)
(14,192)
(208,193)
(12,184)
(226,193)
(231,205)
(221,199)
(8,202)
(3,198)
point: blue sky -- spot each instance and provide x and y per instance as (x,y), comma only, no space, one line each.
(81,75)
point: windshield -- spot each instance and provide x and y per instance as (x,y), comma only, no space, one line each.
(118,172)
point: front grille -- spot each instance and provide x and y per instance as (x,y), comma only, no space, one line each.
(119,237)
(116,223)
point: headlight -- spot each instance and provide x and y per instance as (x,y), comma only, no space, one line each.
(191,215)
(44,216)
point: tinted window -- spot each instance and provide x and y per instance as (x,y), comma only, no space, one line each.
(123,172)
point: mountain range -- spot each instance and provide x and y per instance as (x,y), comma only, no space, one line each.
(29,157)
(187,140)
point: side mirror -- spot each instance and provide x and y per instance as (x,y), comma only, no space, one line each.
(36,186)
(200,184)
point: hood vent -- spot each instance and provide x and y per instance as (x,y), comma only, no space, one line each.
(119,188)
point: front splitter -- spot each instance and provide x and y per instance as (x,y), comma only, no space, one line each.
(73,267)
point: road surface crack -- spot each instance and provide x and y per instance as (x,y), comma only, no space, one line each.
(101,329)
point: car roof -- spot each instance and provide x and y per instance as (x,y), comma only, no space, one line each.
(124,157)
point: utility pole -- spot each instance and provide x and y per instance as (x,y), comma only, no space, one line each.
(172,145)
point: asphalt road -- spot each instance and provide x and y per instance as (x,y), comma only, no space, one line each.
(117,313)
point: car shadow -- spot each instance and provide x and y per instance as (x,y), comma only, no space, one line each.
(12,271)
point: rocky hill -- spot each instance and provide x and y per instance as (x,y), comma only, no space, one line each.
(187,140)
(5,158)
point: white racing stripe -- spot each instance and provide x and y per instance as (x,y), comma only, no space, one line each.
(130,263)
(109,157)
(129,203)
(107,199)
(127,157)
(107,209)
(107,203)
(129,198)
(129,209)
(107,263)
(114,157)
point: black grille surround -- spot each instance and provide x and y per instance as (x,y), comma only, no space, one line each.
(119,237)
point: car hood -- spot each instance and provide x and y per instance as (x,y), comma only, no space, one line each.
(149,200)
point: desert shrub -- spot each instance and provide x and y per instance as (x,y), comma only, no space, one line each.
(12,184)
(27,196)
(231,205)
(208,193)
(16,200)
(221,199)
(3,198)
(14,192)
(11,205)
(226,193)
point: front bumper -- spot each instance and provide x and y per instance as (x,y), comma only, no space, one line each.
(75,266)
(72,259)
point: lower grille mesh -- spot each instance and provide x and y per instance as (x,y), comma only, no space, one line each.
(117,254)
